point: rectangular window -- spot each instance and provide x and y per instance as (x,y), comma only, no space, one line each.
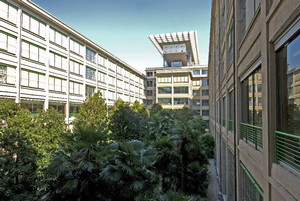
(58,38)
(32,79)
(58,61)
(33,107)
(76,47)
(89,90)
(164,90)
(205,92)
(231,111)
(75,88)
(7,74)
(149,102)
(204,72)
(196,102)
(205,112)
(34,25)
(90,55)
(196,82)
(112,66)
(165,101)
(90,73)
(149,74)
(8,42)
(101,76)
(196,72)
(176,63)
(149,83)
(8,12)
(111,80)
(76,67)
(149,92)
(231,174)
(248,10)
(251,191)
(196,92)
(288,85)
(204,82)
(74,110)
(181,90)
(33,52)
(181,79)
(252,112)
(181,101)
(165,79)
(205,102)
(58,107)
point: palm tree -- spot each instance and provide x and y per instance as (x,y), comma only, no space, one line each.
(130,170)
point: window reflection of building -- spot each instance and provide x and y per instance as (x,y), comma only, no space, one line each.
(252,98)
(288,65)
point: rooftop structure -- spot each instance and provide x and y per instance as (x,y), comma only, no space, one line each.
(177,49)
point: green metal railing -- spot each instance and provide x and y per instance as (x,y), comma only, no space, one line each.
(230,125)
(223,122)
(252,135)
(287,150)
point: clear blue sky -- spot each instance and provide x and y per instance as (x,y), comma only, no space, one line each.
(122,26)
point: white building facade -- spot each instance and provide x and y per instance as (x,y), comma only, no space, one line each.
(45,63)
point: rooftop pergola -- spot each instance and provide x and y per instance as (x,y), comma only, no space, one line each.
(187,37)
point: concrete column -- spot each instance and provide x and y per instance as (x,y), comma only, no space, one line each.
(19,55)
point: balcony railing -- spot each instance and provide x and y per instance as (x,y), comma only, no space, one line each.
(230,125)
(252,135)
(287,150)
(223,122)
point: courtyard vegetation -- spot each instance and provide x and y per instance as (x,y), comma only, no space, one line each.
(112,153)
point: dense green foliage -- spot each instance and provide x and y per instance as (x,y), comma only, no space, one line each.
(123,152)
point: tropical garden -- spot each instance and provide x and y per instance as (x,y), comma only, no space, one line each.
(110,153)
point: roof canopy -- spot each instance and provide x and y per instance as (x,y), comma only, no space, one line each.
(187,37)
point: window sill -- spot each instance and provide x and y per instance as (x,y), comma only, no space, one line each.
(57,92)
(57,45)
(76,74)
(33,88)
(77,95)
(59,69)
(8,22)
(7,53)
(32,33)
(76,53)
(8,85)
(33,61)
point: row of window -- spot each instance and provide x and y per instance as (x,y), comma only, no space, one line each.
(8,42)
(197,72)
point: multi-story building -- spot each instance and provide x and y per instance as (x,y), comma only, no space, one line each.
(45,63)
(254,64)
(182,81)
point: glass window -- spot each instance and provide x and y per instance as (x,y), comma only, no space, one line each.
(164,90)
(149,83)
(33,107)
(89,90)
(90,55)
(204,82)
(205,102)
(181,101)
(59,108)
(196,92)
(204,72)
(164,79)
(205,92)
(288,85)
(164,101)
(248,10)
(181,90)
(7,75)
(90,73)
(196,82)
(196,102)
(181,79)
(196,72)
(149,102)
(149,74)
(176,63)
(74,110)
(149,93)
(252,112)
(205,112)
